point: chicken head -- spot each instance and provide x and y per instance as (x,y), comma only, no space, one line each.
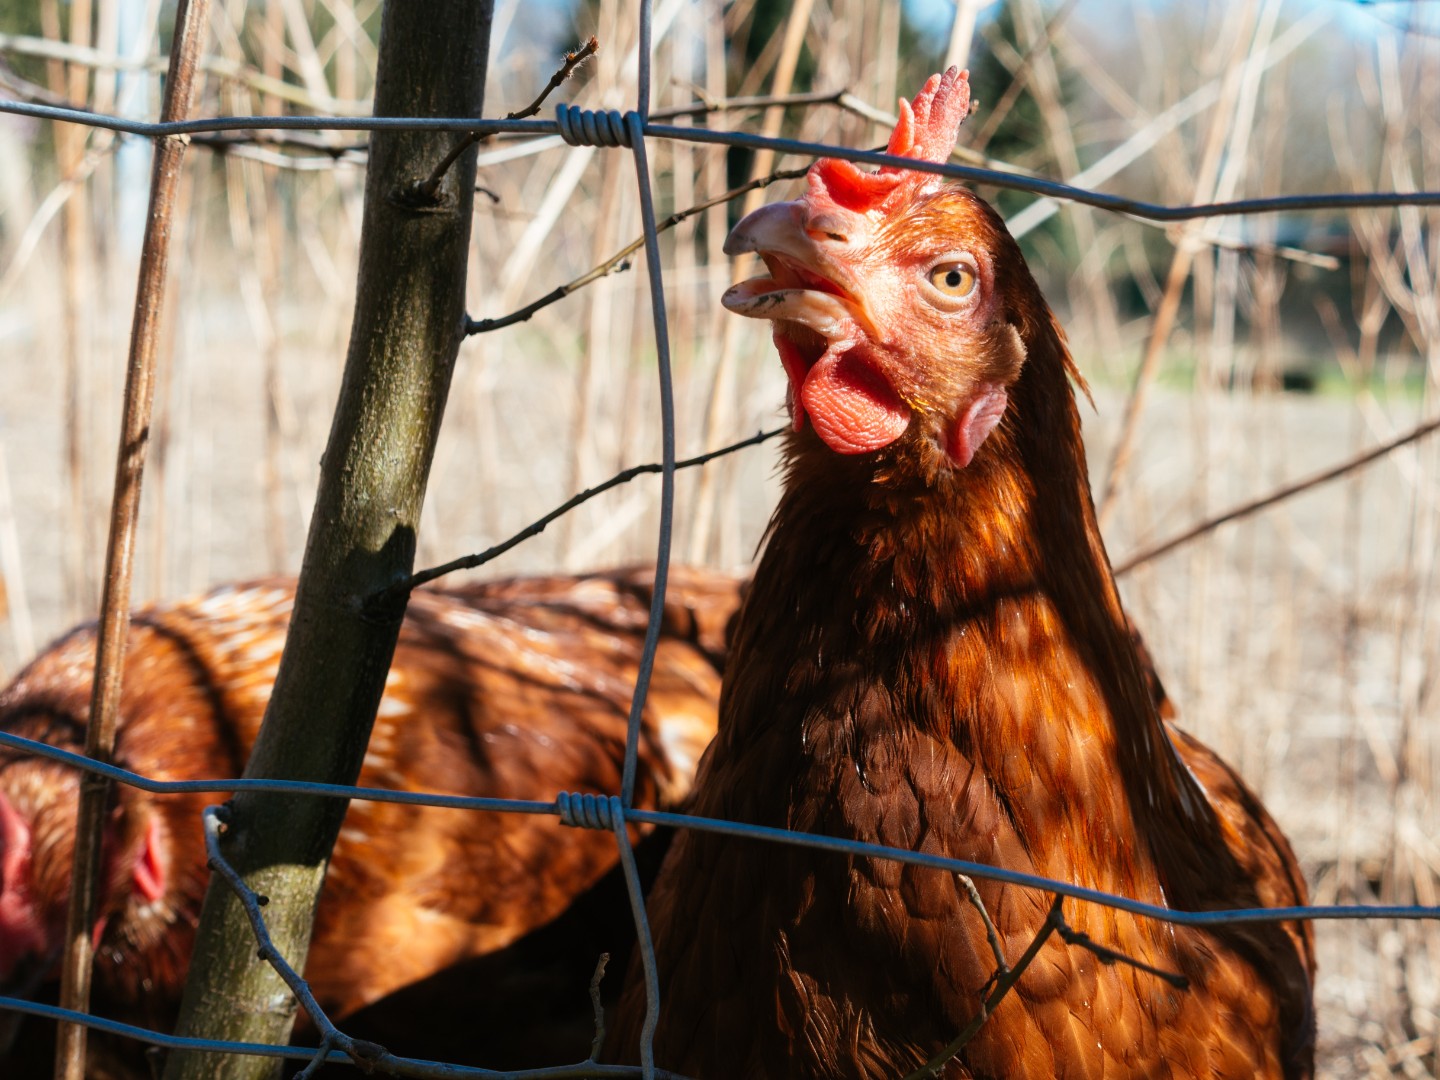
(35,881)
(882,287)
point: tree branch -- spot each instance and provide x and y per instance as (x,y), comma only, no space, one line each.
(620,260)
(408,327)
(1279,495)
(426,189)
(392,594)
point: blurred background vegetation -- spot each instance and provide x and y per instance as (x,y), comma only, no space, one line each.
(1304,643)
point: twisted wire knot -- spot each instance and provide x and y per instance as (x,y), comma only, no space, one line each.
(589,811)
(585,127)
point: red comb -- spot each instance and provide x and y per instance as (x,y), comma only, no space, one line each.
(927,130)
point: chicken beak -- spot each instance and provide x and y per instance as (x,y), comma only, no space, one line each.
(773,227)
(762,298)
(806,284)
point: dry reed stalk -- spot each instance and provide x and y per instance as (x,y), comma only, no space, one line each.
(1020,68)
(1099,305)
(14,594)
(75,248)
(307,64)
(708,498)
(1358,366)
(186,235)
(115,605)
(886,79)
(177,487)
(280,426)
(60,53)
(258,283)
(720,413)
(962,32)
(254,234)
(780,84)
(102,187)
(764,66)
(1408,876)
(1245,39)
(596,369)
(1282,636)
(686,295)
(1202,619)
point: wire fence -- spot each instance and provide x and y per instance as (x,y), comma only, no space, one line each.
(630,131)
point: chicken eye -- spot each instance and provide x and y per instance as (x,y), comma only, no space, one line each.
(953,278)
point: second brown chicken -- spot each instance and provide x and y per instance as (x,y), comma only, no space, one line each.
(512,689)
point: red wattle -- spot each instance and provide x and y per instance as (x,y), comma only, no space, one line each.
(854,409)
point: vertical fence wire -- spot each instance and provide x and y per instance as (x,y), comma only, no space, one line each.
(635,129)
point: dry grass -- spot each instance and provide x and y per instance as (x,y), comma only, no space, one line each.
(1304,643)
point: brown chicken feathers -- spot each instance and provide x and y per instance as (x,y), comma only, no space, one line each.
(513,689)
(933,657)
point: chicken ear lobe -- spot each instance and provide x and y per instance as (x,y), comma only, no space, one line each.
(979,419)
(987,402)
(151,871)
(14,848)
(21,934)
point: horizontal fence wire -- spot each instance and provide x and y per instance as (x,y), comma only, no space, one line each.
(1052,189)
(741,829)
(614,813)
(393,1066)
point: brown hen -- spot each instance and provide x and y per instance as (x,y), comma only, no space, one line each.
(933,656)
(517,689)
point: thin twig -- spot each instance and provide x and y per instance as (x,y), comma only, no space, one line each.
(1107,955)
(427,188)
(221,67)
(598,1008)
(367,1056)
(223,141)
(364,1054)
(620,261)
(572,61)
(991,934)
(535,528)
(1000,985)
(1279,495)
